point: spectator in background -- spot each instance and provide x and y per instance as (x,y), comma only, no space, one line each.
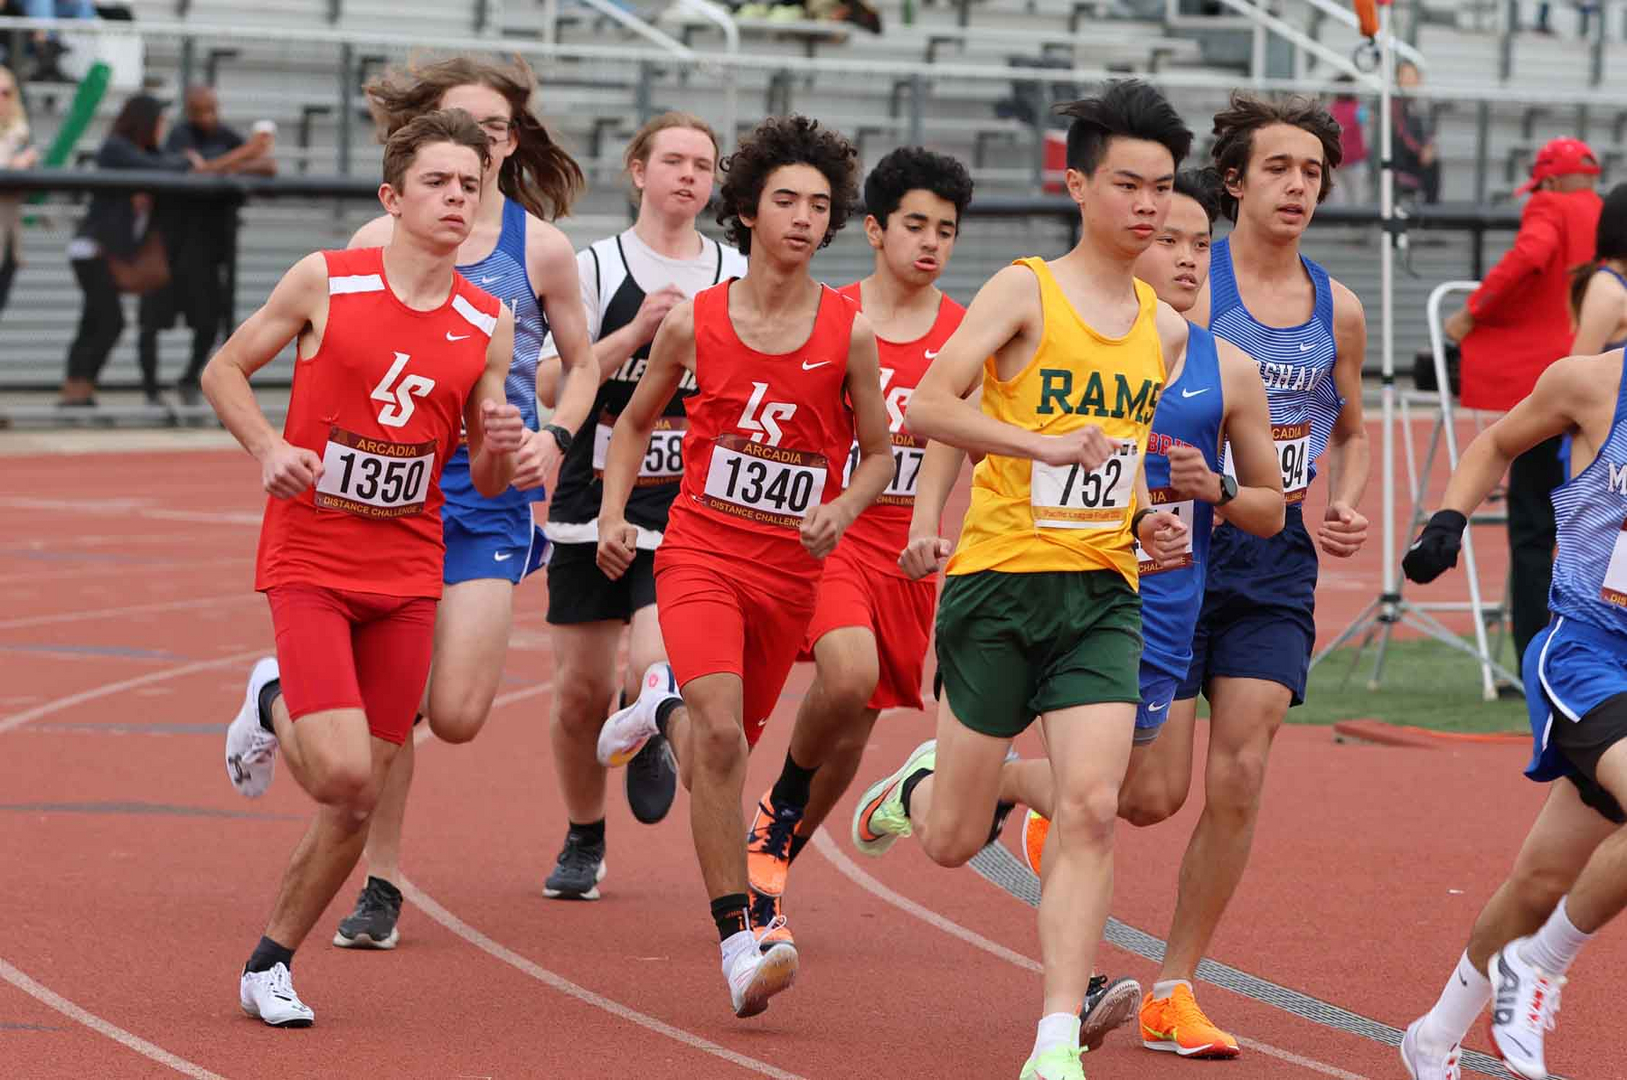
(48,48)
(16,152)
(200,236)
(1513,326)
(1417,154)
(1355,179)
(116,227)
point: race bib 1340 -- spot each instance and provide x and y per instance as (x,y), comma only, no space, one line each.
(775,485)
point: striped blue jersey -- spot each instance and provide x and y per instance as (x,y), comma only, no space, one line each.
(503,275)
(1190,412)
(1590,509)
(1296,365)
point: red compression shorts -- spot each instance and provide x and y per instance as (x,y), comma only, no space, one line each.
(895,609)
(353,650)
(716,618)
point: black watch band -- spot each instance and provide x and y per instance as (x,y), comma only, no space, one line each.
(1228,489)
(561,436)
(1135,521)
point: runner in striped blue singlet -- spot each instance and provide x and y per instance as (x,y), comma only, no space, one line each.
(1252,648)
(514,254)
(1570,877)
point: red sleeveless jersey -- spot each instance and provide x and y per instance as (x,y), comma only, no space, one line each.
(878,536)
(381,403)
(767,437)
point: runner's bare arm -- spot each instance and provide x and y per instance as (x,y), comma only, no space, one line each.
(1004,321)
(672,353)
(614,349)
(1600,315)
(1258,507)
(495,428)
(1343,529)
(1555,406)
(375,233)
(927,550)
(826,523)
(551,264)
(296,308)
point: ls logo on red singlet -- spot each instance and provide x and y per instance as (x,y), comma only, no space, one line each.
(898,399)
(766,429)
(399,404)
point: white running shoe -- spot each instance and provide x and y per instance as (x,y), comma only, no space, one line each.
(1522,1010)
(251,750)
(269,996)
(1428,1064)
(758,975)
(626,732)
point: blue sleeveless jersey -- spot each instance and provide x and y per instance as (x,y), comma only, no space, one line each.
(1296,365)
(1190,413)
(1590,509)
(503,274)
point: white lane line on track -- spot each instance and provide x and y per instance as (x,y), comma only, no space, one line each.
(435,911)
(17,720)
(132,609)
(125,508)
(102,1027)
(862,878)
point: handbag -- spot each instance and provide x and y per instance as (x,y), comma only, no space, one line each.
(145,271)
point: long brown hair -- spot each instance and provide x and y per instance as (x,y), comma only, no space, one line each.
(539,174)
(1245,114)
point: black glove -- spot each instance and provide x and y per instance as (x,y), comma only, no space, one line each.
(1436,548)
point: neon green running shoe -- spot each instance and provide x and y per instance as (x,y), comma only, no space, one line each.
(1057,1063)
(880,818)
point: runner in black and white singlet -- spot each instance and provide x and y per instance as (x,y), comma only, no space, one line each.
(629,282)
(514,254)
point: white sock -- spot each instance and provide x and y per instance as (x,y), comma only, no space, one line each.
(1162,990)
(1553,949)
(734,945)
(1465,997)
(1057,1029)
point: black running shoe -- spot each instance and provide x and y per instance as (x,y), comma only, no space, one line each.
(1107,1005)
(652,781)
(372,924)
(578,872)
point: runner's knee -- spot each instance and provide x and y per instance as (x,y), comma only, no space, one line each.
(717,742)
(1085,819)
(1235,779)
(1536,887)
(581,702)
(953,844)
(1149,802)
(342,783)
(847,685)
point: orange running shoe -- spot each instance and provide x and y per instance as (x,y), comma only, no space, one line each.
(767,915)
(768,845)
(1177,1024)
(1035,829)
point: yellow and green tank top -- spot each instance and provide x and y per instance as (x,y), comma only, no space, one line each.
(1027,517)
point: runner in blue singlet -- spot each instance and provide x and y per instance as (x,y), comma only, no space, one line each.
(517,256)
(1568,879)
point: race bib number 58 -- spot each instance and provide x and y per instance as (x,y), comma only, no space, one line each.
(772,484)
(373,478)
(663,461)
(1071,497)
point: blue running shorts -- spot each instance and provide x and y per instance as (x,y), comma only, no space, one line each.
(1576,697)
(490,542)
(1158,690)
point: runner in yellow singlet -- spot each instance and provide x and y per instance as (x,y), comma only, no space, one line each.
(1039,613)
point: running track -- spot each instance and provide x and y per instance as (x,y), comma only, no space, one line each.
(134,881)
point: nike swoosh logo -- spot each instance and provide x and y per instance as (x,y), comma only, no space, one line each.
(1194,393)
(450,336)
(1158,708)
(930,353)
(1303,347)
(865,832)
(809,367)
(488,280)
(503,556)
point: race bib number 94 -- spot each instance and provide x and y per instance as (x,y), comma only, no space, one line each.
(373,478)
(772,484)
(908,453)
(663,461)
(1069,497)
(1293,445)
(1164,500)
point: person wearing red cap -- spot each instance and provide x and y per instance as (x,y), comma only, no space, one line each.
(1513,326)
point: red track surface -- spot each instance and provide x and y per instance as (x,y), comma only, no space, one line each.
(128,894)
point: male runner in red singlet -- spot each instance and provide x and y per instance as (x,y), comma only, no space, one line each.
(776,357)
(872,624)
(395,350)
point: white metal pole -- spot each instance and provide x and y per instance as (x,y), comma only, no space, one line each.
(1386,45)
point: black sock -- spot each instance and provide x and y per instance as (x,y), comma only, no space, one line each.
(270,692)
(909,787)
(623,700)
(731,914)
(794,785)
(798,842)
(267,955)
(592,833)
(664,711)
(417,718)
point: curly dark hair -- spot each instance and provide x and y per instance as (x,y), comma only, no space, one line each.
(776,142)
(1245,114)
(914,168)
(1202,186)
(1128,109)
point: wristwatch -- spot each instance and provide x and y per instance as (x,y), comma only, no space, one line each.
(1228,489)
(563,438)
